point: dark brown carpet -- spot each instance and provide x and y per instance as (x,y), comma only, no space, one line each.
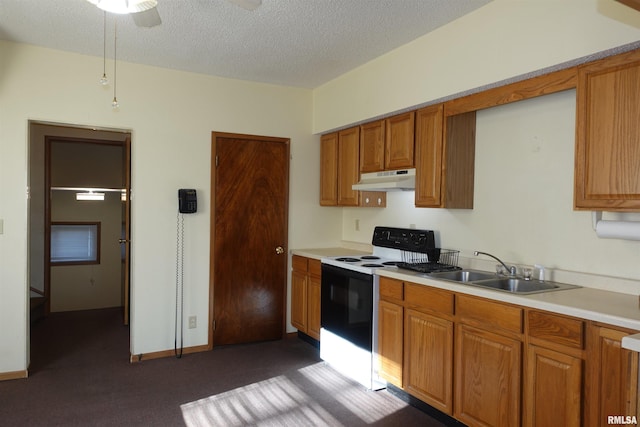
(80,376)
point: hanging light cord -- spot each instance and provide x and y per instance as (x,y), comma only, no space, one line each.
(115,104)
(104,80)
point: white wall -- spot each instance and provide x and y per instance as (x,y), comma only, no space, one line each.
(171,115)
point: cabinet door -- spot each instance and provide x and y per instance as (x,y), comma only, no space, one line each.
(613,379)
(487,378)
(348,166)
(329,169)
(299,300)
(607,176)
(553,389)
(429,123)
(399,141)
(429,359)
(390,342)
(372,146)
(313,307)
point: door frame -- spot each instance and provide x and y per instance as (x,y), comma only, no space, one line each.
(212,219)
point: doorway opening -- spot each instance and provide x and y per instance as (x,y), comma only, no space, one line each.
(78,248)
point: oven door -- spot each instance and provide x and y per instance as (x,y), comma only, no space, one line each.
(347,304)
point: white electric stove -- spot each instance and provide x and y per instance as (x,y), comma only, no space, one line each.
(350,296)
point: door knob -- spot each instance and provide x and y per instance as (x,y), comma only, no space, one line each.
(279,250)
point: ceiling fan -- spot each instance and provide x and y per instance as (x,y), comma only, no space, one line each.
(145,13)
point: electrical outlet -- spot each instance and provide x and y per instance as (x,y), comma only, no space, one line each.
(193,322)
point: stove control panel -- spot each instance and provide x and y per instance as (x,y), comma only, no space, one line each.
(406,239)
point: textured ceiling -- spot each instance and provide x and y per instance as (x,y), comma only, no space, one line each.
(302,43)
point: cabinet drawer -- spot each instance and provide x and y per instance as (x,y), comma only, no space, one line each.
(557,329)
(299,263)
(391,289)
(488,313)
(315,268)
(425,297)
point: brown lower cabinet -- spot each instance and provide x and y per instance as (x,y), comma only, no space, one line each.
(553,388)
(428,377)
(489,363)
(554,370)
(612,375)
(305,295)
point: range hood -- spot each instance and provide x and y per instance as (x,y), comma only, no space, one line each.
(404,179)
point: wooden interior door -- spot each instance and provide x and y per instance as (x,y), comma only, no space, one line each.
(250,182)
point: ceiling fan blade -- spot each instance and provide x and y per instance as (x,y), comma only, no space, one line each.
(247,4)
(148,18)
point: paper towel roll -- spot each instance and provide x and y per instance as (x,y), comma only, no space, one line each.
(628,230)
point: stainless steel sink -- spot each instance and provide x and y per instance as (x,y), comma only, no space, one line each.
(488,280)
(463,275)
(521,286)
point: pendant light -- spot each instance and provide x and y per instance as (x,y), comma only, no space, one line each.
(103,80)
(124,6)
(114,104)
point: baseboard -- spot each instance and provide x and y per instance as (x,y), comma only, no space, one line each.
(424,407)
(134,358)
(15,375)
(306,338)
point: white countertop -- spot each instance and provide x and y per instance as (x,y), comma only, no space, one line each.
(587,303)
(328,252)
(613,308)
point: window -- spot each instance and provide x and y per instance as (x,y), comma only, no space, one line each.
(75,243)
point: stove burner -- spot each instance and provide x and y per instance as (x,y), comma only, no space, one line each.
(372,265)
(347,259)
(369,257)
(392,263)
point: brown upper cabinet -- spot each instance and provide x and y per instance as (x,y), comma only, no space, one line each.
(387,144)
(372,146)
(445,158)
(329,169)
(348,166)
(607,176)
(339,170)
(398,147)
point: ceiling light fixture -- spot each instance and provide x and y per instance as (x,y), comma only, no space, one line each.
(90,196)
(124,6)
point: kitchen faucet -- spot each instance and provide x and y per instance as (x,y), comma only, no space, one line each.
(512,270)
